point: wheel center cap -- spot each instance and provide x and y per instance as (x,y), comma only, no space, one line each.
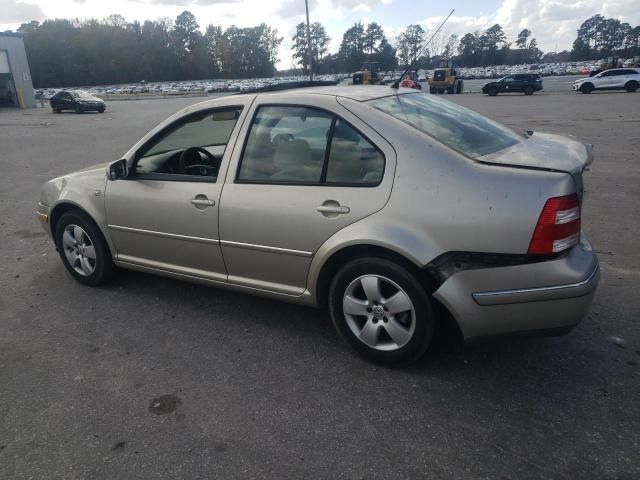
(378,312)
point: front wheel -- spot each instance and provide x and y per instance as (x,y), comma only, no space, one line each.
(493,92)
(83,249)
(528,91)
(587,88)
(382,311)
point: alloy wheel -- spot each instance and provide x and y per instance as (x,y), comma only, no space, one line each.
(79,250)
(379,312)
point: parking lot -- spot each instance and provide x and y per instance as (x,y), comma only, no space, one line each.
(152,378)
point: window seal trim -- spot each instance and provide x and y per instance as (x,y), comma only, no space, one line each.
(335,117)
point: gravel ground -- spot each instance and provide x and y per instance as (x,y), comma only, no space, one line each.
(152,378)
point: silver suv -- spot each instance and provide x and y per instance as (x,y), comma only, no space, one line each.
(379,204)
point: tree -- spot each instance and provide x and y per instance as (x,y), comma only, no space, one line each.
(215,42)
(351,51)
(410,42)
(319,45)
(469,49)
(523,38)
(489,42)
(186,34)
(386,56)
(373,37)
(449,48)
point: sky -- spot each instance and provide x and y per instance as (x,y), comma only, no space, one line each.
(553,22)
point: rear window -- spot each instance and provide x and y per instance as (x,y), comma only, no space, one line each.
(455,126)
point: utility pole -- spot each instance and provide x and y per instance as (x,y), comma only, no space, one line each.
(306,4)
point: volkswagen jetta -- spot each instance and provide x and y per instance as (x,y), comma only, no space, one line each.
(389,207)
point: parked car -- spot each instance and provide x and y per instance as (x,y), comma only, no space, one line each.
(76,100)
(395,209)
(614,79)
(526,83)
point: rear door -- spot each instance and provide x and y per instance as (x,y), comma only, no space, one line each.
(304,171)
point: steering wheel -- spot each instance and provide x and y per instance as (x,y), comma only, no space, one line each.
(191,162)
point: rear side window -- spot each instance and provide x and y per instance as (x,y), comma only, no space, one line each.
(303,145)
(457,127)
(352,159)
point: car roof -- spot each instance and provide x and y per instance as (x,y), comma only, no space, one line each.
(360,93)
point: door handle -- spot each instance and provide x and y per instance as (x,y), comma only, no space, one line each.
(202,202)
(337,209)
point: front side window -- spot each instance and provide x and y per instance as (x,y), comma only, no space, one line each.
(192,147)
(457,127)
(303,145)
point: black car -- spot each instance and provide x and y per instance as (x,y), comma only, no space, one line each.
(526,83)
(76,100)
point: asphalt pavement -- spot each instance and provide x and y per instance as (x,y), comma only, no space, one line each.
(151,378)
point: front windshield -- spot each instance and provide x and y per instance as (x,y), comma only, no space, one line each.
(81,94)
(455,126)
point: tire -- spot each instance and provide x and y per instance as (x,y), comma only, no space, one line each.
(56,110)
(432,90)
(631,86)
(74,249)
(374,332)
(101,110)
(528,90)
(460,86)
(586,88)
(493,91)
(78,109)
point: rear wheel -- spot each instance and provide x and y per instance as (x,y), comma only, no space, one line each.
(493,91)
(528,90)
(101,110)
(382,311)
(631,86)
(459,86)
(83,249)
(586,88)
(432,90)
(78,109)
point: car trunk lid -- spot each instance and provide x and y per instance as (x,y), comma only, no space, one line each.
(546,151)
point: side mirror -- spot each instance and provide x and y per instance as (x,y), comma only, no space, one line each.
(117,170)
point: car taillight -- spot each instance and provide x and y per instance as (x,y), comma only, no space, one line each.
(558,227)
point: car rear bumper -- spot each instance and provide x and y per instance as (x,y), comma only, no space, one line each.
(549,295)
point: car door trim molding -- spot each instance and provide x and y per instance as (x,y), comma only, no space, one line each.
(266,248)
(189,238)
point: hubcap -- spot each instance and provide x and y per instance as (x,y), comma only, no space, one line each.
(79,250)
(379,312)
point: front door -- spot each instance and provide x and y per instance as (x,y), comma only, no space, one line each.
(507,84)
(303,174)
(165,215)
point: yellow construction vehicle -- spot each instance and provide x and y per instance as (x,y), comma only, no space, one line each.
(445,79)
(367,75)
